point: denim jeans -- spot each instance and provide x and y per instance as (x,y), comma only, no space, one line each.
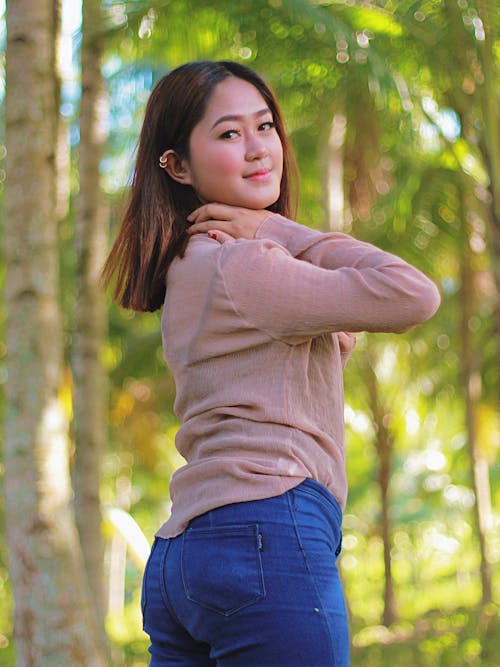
(252,584)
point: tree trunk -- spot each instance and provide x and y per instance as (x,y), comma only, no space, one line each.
(52,625)
(490,144)
(338,213)
(490,100)
(471,383)
(384,446)
(487,98)
(90,396)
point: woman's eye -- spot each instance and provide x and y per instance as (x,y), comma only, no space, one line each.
(268,125)
(229,134)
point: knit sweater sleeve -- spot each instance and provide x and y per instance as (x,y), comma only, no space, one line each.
(343,284)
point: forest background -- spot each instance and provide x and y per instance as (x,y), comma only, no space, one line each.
(393,109)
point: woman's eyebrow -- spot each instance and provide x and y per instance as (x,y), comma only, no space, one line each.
(238,117)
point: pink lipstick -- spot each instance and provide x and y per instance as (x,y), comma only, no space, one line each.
(261,175)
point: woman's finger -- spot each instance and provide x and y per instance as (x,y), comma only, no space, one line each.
(206,226)
(347,341)
(220,236)
(213,211)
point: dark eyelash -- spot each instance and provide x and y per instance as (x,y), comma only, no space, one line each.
(270,123)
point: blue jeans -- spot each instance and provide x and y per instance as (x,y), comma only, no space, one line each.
(252,584)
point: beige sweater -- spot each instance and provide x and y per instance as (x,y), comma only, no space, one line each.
(250,334)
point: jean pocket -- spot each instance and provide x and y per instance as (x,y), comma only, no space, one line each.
(222,567)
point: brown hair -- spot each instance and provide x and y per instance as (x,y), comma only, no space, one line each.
(153,229)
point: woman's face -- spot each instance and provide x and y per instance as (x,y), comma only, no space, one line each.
(235,153)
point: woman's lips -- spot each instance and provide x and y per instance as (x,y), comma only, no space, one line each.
(261,175)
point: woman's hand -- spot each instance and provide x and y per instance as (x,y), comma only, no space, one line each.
(347,341)
(224,222)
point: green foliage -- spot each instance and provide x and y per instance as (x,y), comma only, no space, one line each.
(452,638)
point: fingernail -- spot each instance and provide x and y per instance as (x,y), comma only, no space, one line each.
(213,235)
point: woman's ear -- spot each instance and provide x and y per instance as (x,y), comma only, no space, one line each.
(176,168)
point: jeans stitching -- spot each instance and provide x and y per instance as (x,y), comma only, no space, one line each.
(163,583)
(324,501)
(327,504)
(291,504)
(144,592)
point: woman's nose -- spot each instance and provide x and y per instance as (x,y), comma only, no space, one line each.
(256,148)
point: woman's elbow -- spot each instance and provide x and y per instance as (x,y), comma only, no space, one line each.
(422,306)
(430,302)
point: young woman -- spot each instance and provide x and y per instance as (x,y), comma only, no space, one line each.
(255,307)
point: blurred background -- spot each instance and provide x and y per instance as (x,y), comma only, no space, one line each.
(393,110)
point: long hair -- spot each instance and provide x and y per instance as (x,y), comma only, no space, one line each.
(153,228)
